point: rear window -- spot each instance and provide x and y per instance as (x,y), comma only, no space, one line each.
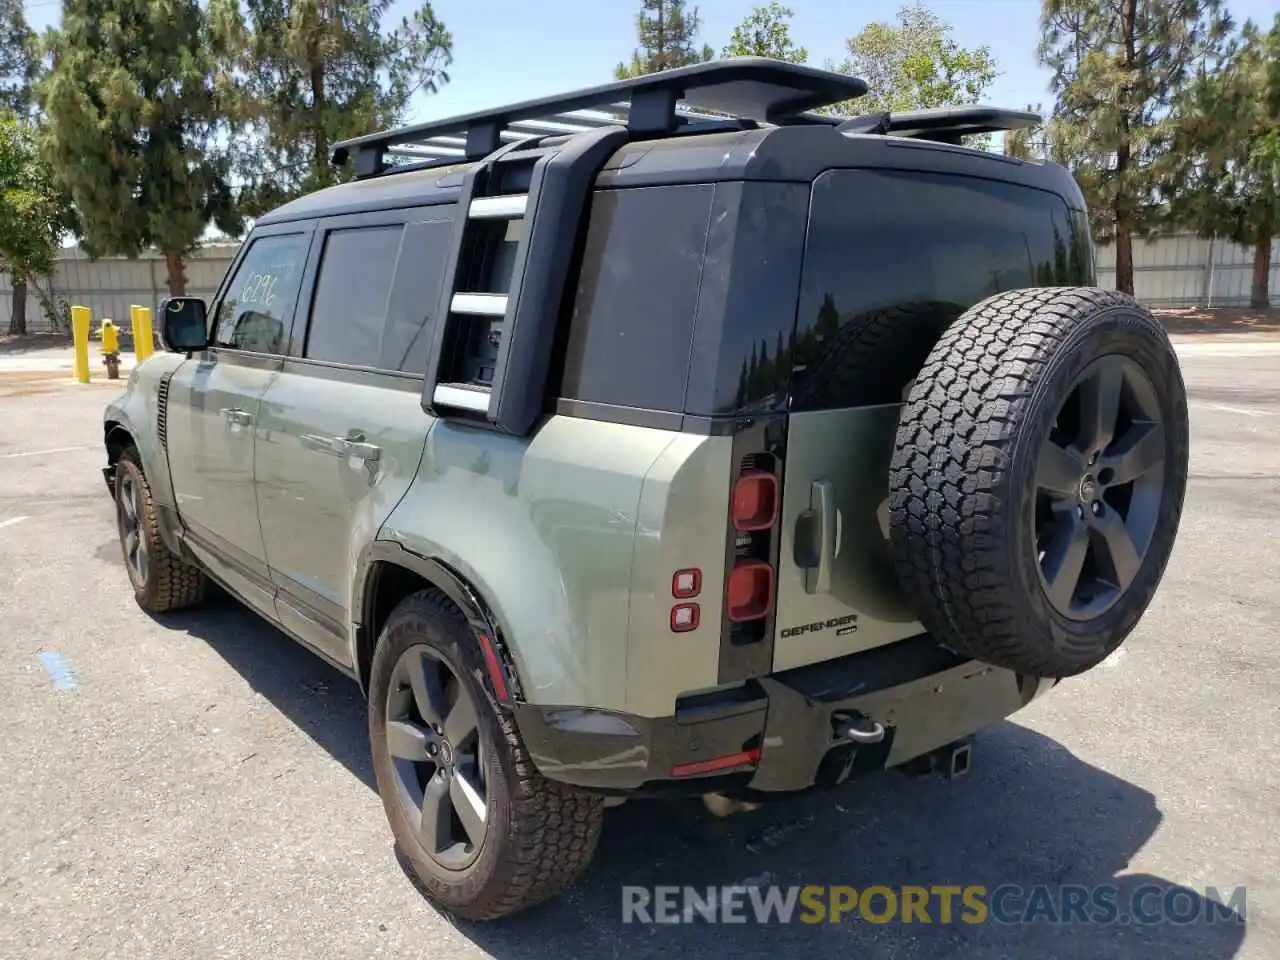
(893,257)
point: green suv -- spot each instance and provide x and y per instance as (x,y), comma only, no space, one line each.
(713,447)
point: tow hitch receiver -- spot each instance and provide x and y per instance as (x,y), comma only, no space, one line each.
(950,761)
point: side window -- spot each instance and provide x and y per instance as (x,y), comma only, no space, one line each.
(349,309)
(631,331)
(893,257)
(254,313)
(414,296)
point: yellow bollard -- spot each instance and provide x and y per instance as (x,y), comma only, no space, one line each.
(81,318)
(110,349)
(137,334)
(146,345)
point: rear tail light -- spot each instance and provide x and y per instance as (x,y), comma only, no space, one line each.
(755,501)
(750,592)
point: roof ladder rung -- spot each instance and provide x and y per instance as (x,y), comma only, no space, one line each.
(480,304)
(499,208)
(462,397)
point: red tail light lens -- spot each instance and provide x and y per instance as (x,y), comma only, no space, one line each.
(755,501)
(750,591)
(685,617)
(686,583)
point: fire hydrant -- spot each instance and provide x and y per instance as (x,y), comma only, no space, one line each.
(110,349)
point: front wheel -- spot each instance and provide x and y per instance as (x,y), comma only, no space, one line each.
(485,834)
(161,580)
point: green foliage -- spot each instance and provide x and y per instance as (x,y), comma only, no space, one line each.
(34,212)
(766,32)
(914,64)
(19,59)
(134,116)
(668,38)
(313,72)
(1117,69)
(1225,162)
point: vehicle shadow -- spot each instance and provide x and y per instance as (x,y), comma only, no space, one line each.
(1031,813)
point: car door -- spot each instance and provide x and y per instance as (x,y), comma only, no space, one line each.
(213,406)
(892,257)
(341,427)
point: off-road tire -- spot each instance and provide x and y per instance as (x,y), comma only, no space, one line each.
(963,482)
(542,835)
(171,583)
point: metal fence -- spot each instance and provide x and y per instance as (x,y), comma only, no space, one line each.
(1187,271)
(1172,271)
(109,286)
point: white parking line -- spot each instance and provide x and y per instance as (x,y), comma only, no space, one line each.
(40,453)
(1238,411)
(11,521)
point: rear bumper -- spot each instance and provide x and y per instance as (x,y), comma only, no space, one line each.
(778,734)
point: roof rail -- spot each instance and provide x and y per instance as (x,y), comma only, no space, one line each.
(742,88)
(942,124)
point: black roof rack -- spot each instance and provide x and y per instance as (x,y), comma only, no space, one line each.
(743,88)
(943,124)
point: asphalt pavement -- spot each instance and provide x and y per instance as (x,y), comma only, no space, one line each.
(198,786)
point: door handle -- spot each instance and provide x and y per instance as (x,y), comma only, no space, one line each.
(313,441)
(353,446)
(822,507)
(237,416)
(359,449)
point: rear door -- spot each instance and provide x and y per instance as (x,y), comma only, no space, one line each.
(341,427)
(891,259)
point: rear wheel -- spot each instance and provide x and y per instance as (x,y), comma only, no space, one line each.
(1038,478)
(485,834)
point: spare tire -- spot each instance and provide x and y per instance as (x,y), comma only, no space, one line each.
(1038,478)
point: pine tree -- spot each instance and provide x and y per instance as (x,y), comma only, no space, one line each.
(19,59)
(134,118)
(1117,69)
(318,71)
(1224,169)
(668,38)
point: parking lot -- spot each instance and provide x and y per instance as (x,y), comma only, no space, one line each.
(200,787)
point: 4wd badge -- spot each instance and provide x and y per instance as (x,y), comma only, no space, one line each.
(847,624)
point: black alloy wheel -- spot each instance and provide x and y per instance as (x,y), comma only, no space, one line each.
(130,509)
(433,737)
(1100,482)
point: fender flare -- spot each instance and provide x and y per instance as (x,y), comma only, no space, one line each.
(444,578)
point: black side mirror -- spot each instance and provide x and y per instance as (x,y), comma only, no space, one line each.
(184,324)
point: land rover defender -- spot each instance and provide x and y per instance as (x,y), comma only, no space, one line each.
(667,437)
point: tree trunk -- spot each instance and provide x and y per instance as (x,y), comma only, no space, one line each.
(177,274)
(1124,155)
(1260,295)
(1124,259)
(18,308)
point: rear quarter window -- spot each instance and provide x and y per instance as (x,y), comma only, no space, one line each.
(631,326)
(893,257)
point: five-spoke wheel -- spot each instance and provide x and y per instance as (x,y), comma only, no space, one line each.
(133,540)
(434,740)
(1100,480)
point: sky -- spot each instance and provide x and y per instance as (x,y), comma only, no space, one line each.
(503,52)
